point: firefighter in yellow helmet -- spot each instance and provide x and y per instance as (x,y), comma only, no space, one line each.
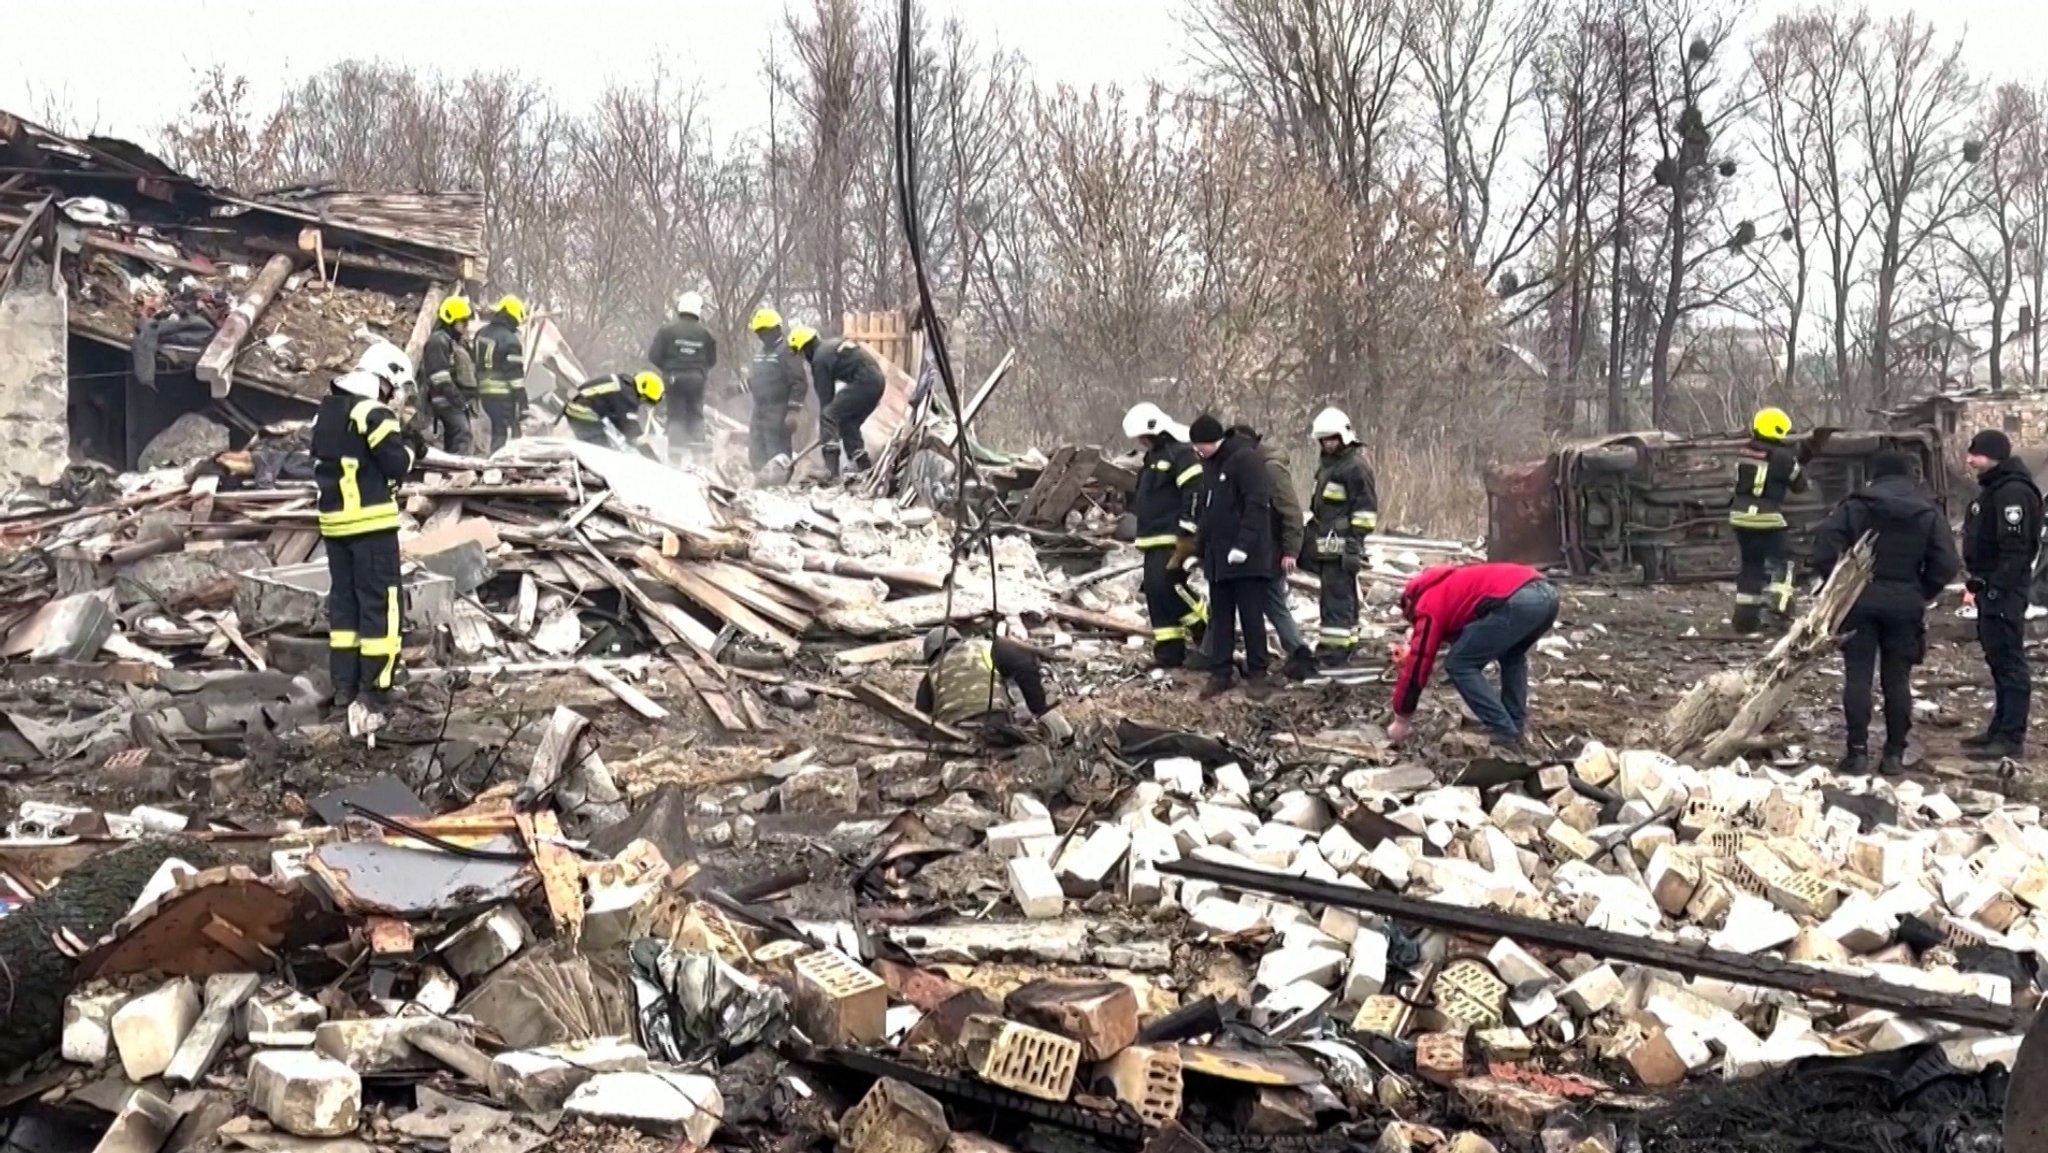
(501,370)
(360,456)
(450,374)
(849,384)
(775,384)
(1767,471)
(614,400)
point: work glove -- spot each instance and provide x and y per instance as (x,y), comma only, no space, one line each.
(1236,556)
(1974,586)
(416,444)
(1352,564)
(1183,552)
(1055,728)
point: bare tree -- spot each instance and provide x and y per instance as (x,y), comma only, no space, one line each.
(223,138)
(831,87)
(1477,67)
(1989,233)
(1915,100)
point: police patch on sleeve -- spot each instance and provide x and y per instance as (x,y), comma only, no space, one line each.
(2013,516)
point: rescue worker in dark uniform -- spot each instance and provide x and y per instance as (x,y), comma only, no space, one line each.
(360,456)
(848,382)
(685,352)
(1886,630)
(776,386)
(450,375)
(1169,481)
(1290,530)
(501,370)
(1767,472)
(967,683)
(1238,544)
(1343,509)
(615,400)
(2001,533)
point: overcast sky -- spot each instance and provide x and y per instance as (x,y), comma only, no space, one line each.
(130,64)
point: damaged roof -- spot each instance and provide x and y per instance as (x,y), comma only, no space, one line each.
(132,233)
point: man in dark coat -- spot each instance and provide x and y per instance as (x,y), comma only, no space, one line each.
(1239,550)
(1886,630)
(2001,534)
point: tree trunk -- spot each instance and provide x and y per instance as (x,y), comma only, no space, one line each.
(1674,297)
(1723,715)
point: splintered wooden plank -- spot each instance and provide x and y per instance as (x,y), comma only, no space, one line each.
(751,591)
(903,713)
(755,716)
(633,698)
(716,697)
(203,490)
(296,546)
(694,586)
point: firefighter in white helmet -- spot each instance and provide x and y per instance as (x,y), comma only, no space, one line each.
(360,456)
(1344,508)
(685,352)
(1168,482)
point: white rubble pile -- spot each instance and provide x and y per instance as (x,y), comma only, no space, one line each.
(1747,859)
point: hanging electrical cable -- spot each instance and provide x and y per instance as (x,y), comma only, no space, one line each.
(910,212)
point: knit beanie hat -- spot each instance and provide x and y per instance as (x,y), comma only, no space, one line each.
(1206,430)
(1991,443)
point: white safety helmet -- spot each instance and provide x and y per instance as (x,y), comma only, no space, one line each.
(1331,422)
(367,385)
(690,304)
(1148,419)
(388,361)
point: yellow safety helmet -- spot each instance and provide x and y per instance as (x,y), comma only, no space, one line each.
(765,319)
(801,338)
(455,310)
(649,386)
(1771,424)
(513,307)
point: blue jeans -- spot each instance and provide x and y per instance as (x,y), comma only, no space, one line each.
(1504,636)
(1282,618)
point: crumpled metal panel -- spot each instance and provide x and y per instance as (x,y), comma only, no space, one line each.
(372,877)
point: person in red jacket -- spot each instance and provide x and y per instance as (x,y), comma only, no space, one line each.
(1487,613)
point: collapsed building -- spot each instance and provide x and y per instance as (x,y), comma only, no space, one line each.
(135,299)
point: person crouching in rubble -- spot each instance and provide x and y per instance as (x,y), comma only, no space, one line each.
(360,457)
(1488,614)
(1237,546)
(849,384)
(968,682)
(1886,630)
(614,400)
(1169,481)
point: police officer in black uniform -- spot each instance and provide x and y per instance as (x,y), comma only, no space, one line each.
(1886,630)
(1768,470)
(2001,533)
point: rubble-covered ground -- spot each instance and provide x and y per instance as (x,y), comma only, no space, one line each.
(725,887)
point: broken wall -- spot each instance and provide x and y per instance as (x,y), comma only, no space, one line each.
(34,393)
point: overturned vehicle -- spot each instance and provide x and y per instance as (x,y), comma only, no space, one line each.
(1654,507)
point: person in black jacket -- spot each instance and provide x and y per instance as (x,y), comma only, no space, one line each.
(685,352)
(450,375)
(614,400)
(360,456)
(849,384)
(1239,552)
(1886,630)
(1164,505)
(501,370)
(775,384)
(2001,533)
